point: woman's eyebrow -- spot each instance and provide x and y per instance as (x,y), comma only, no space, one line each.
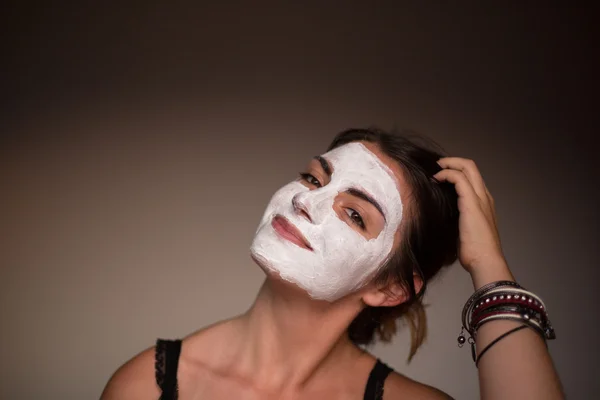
(362,195)
(324,164)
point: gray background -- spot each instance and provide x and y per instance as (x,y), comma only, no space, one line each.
(141,143)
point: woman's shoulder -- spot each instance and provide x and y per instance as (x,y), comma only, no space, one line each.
(134,380)
(137,379)
(399,386)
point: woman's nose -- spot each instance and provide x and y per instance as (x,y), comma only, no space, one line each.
(300,208)
(315,205)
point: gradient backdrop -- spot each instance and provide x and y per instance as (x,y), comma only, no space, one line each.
(140,144)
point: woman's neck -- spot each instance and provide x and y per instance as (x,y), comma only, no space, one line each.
(286,337)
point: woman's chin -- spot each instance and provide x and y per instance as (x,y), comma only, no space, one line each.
(264,264)
(276,281)
(267,267)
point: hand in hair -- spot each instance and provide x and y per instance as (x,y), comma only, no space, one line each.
(480,252)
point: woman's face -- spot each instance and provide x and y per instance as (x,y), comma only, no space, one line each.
(332,229)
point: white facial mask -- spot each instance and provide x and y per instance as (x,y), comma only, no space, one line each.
(342,259)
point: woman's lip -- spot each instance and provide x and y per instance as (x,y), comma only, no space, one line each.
(288,231)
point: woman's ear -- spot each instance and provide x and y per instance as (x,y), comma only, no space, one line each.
(390,295)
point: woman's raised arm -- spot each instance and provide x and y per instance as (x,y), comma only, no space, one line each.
(516,363)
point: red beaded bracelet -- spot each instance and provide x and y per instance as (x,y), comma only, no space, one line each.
(507,299)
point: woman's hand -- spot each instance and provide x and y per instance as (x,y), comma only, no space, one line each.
(480,252)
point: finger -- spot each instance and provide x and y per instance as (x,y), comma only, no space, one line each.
(469,168)
(492,206)
(463,186)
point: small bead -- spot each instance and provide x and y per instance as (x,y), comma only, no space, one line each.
(516,296)
(526,316)
(494,298)
(502,297)
(461,340)
(541,306)
(508,297)
(487,300)
(530,300)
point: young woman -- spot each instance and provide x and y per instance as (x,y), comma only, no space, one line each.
(347,249)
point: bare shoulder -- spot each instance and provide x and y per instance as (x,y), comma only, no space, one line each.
(136,378)
(398,386)
(133,380)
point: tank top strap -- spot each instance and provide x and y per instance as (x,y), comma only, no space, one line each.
(166,361)
(374,389)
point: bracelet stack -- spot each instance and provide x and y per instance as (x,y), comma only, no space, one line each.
(503,300)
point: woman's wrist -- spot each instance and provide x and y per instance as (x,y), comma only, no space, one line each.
(499,299)
(493,272)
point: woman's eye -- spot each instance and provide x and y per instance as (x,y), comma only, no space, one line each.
(310,179)
(355,217)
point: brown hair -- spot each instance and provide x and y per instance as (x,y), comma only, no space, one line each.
(429,236)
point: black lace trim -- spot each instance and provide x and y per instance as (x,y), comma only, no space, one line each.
(376,382)
(160,363)
(166,360)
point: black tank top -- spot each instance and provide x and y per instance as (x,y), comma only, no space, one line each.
(167,359)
